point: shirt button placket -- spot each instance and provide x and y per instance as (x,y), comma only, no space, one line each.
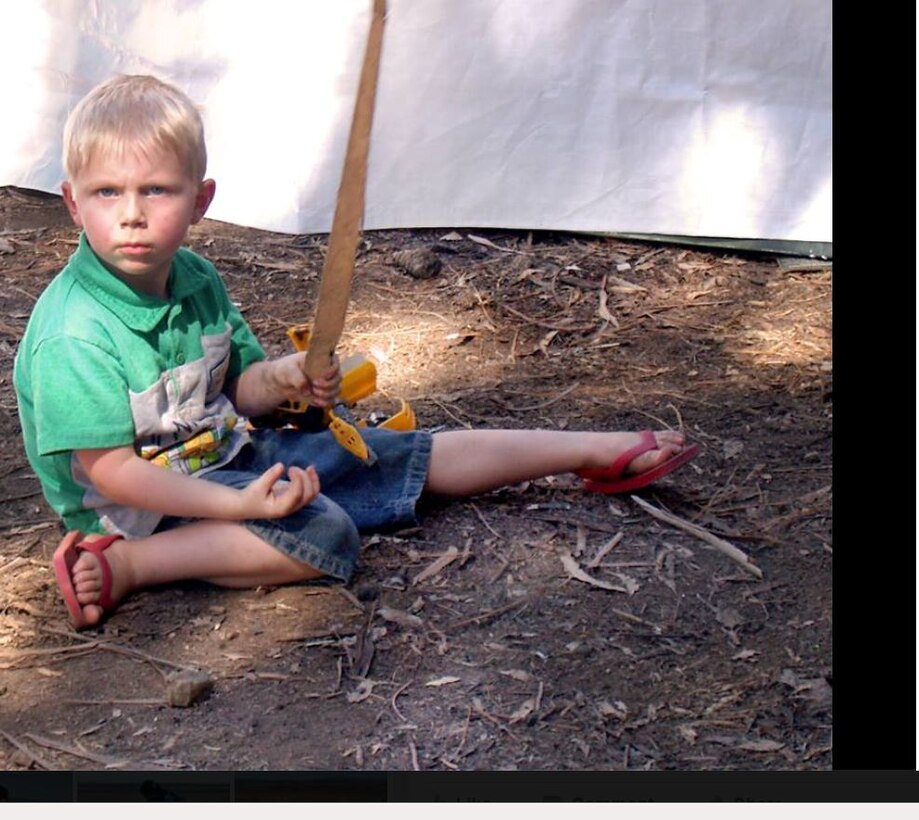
(178,356)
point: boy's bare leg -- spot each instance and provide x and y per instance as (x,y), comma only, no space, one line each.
(221,552)
(465,462)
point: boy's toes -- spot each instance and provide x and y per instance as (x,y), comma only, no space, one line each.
(93,613)
(670,438)
(87,578)
(652,458)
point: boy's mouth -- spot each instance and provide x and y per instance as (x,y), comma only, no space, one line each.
(134,249)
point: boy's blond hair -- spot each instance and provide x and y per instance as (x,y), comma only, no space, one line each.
(137,113)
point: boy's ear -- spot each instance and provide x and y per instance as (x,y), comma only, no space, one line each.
(203,199)
(71,204)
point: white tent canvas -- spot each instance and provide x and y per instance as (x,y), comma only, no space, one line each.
(682,117)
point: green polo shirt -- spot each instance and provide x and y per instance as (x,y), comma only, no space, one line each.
(102,365)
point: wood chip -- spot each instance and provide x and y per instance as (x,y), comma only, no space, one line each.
(575,571)
(444,561)
(397,616)
(516,674)
(623,285)
(481,240)
(760,746)
(446,679)
(619,711)
(603,307)
(528,707)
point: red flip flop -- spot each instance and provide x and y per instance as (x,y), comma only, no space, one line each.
(65,556)
(610,480)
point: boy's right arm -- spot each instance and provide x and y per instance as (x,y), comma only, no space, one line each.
(125,478)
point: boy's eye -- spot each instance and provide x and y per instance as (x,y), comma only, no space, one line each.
(156,190)
(106,192)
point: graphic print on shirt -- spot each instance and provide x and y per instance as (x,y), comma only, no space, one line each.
(184,421)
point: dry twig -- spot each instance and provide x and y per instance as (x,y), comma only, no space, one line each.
(437,566)
(492,613)
(487,526)
(120,650)
(108,762)
(720,544)
(31,755)
(396,694)
(594,562)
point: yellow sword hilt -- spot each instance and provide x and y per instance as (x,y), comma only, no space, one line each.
(358,380)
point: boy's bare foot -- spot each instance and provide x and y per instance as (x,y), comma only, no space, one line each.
(609,447)
(87,579)
(629,461)
(92,582)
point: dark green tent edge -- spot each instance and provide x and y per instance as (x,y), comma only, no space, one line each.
(810,250)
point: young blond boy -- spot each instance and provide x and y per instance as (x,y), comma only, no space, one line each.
(136,376)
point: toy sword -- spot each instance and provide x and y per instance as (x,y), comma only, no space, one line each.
(335,286)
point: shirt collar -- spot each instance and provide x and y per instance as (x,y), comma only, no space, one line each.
(137,310)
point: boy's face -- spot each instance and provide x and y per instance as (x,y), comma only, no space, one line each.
(136,210)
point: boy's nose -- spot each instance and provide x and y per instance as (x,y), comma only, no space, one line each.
(131,211)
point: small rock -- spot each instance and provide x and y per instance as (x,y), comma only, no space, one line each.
(419,263)
(184,687)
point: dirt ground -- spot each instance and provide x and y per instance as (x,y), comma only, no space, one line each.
(534,628)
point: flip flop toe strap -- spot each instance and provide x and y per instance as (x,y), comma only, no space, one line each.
(619,466)
(617,469)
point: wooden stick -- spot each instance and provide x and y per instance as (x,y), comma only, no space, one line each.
(628,616)
(50,650)
(487,526)
(414,753)
(492,613)
(567,328)
(396,694)
(31,755)
(338,269)
(16,529)
(594,562)
(694,529)
(574,521)
(123,701)
(105,760)
(120,649)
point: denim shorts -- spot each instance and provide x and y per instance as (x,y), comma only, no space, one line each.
(354,498)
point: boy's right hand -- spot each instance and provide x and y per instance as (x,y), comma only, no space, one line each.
(269,496)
